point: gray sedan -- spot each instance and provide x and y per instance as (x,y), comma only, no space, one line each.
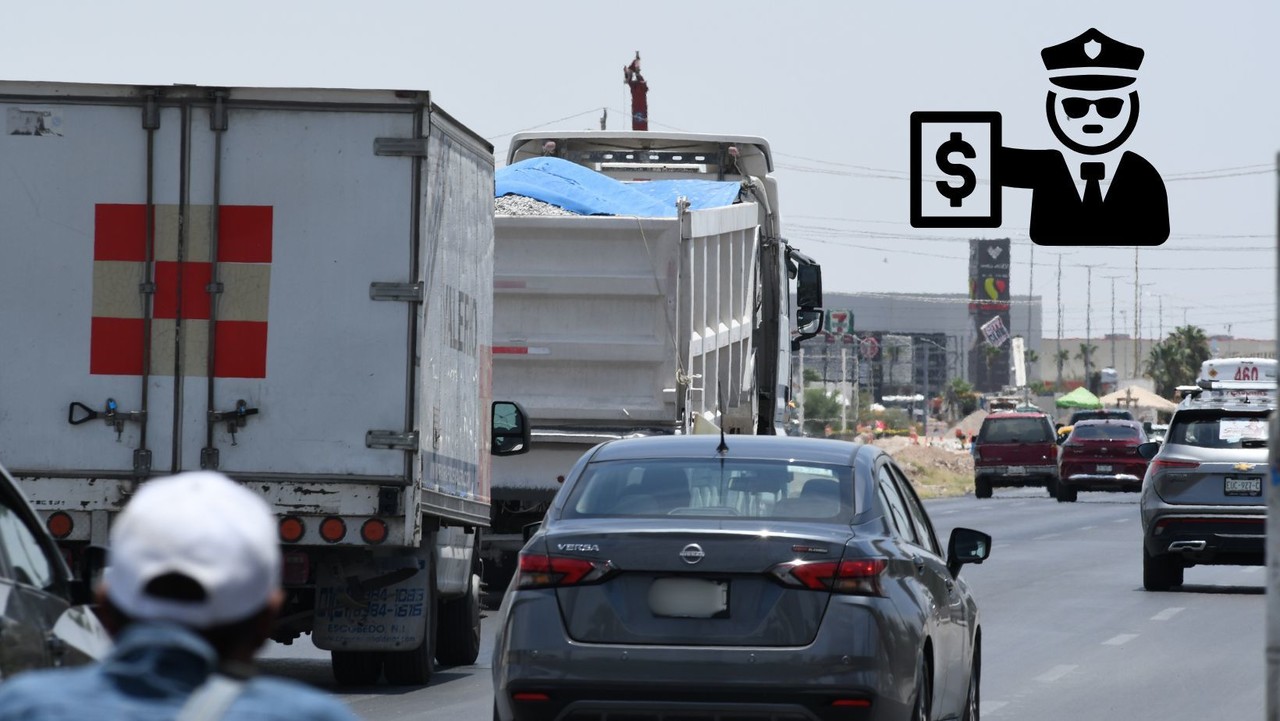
(761,577)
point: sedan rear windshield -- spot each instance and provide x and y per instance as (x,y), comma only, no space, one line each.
(1219,429)
(1106,433)
(1016,430)
(713,488)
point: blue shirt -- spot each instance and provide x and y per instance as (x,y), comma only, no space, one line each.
(148,676)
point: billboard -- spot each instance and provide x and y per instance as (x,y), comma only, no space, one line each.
(989,293)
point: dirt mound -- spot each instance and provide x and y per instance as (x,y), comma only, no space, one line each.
(935,470)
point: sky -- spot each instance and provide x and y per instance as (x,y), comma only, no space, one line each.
(831,86)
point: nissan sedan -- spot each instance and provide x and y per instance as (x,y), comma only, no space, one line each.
(760,577)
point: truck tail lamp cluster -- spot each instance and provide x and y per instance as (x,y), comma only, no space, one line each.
(332,529)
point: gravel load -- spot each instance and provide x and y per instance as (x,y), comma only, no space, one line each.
(520,205)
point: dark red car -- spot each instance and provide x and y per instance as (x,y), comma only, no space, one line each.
(1101,455)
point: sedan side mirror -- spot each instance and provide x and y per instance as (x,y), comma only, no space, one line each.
(1149,449)
(966,546)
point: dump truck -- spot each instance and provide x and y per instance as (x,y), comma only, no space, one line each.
(655,297)
(289,286)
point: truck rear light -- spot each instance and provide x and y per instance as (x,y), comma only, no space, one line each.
(857,577)
(292,529)
(333,529)
(297,568)
(543,571)
(59,524)
(374,531)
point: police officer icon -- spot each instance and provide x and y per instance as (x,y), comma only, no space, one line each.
(1094,192)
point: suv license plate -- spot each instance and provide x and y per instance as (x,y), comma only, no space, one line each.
(1016,470)
(1104,468)
(1243,486)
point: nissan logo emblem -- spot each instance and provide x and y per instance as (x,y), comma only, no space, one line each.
(692,553)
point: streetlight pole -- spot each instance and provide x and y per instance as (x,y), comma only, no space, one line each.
(1273,535)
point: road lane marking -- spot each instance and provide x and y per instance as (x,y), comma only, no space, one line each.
(1168,613)
(1121,520)
(1088,528)
(1047,536)
(1120,640)
(1056,673)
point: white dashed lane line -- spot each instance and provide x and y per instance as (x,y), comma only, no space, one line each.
(1047,536)
(1168,613)
(1120,640)
(1122,520)
(1056,673)
(990,707)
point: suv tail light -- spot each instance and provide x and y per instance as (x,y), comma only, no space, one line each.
(860,577)
(1161,464)
(538,570)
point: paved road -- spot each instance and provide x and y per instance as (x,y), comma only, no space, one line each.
(1069,632)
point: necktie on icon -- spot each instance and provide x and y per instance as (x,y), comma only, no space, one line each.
(1091,173)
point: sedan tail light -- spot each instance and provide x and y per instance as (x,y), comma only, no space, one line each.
(860,577)
(539,570)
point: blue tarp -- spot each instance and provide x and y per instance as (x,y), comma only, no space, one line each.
(581,190)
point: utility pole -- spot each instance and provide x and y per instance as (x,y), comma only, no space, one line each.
(800,402)
(1055,360)
(1113,321)
(844,388)
(1088,325)
(1160,303)
(1137,319)
(1273,535)
(1031,289)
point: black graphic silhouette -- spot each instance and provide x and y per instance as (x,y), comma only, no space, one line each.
(1068,206)
(1091,194)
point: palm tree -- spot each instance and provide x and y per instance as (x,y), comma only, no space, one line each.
(1176,360)
(1085,354)
(1060,358)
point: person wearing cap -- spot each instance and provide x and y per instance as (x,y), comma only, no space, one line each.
(1093,194)
(191,589)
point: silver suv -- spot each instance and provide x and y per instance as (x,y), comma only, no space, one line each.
(1202,499)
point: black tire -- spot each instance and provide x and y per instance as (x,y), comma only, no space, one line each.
(973,703)
(356,668)
(982,487)
(1051,486)
(1161,573)
(458,628)
(922,710)
(1066,494)
(410,668)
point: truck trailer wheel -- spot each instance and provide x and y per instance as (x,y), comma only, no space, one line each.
(410,668)
(458,630)
(356,668)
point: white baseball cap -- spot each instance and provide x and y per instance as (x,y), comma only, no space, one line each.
(201,525)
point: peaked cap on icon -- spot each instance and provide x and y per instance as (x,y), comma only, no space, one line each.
(1092,61)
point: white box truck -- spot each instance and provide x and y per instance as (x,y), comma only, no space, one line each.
(609,326)
(290,286)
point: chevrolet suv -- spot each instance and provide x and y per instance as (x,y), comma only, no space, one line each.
(1015,449)
(1202,498)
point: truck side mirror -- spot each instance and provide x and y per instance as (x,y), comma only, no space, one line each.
(808,286)
(509,429)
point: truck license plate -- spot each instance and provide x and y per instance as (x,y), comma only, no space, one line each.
(1103,468)
(1017,471)
(689,598)
(1243,486)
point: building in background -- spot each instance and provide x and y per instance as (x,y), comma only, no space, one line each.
(907,343)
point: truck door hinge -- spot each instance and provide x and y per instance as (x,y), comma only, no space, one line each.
(393,440)
(400,147)
(404,292)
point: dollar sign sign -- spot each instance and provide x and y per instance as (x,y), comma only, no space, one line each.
(956,193)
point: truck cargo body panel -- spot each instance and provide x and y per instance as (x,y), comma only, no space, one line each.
(125,207)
